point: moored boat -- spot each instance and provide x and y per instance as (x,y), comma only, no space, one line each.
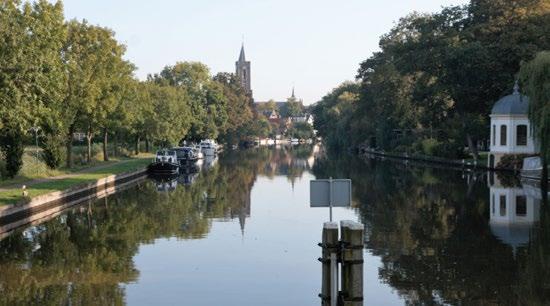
(186,155)
(209,147)
(165,162)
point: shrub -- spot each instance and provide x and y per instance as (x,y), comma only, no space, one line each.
(53,146)
(430,146)
(512,161)
(12,147)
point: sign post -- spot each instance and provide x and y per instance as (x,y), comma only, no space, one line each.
(330,193)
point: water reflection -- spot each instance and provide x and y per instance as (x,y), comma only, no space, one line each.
(432,236)
(438,240)
(514,211)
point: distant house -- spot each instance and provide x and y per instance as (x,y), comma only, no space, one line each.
(305,118)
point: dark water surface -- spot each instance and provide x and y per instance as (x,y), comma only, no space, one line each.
(241,232)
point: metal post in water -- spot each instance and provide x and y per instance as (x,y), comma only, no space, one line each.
(329,244)
(352,263)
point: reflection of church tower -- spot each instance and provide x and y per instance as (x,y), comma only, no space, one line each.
(244,212)
(243,72)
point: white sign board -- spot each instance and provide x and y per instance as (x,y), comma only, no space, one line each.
(324,192)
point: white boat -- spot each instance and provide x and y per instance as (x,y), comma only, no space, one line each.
(209,147)
(186,155)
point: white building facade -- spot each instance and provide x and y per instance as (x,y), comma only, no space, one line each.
(510,128)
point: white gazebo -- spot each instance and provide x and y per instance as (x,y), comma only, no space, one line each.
(510,130)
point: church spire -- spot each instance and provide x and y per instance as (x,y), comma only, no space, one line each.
(293,92)
(241,56)
(242,71)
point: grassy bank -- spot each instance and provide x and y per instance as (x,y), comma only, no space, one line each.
(35,168)
(14,195)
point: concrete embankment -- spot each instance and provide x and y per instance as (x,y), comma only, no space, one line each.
(49,205)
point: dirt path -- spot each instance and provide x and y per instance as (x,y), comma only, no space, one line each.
(59,177)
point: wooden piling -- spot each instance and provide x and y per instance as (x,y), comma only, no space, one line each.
(329,244)
(352,263)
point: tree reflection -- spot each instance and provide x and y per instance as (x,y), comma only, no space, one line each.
(85,256)
(430,228)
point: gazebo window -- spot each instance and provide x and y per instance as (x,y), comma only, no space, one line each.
(502,203)
(521,135)
(521,206)
(503,131)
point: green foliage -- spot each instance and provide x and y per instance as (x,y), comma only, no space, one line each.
(12,146)
(336,113)
(31,71)
(536,77)
(512,161)
(294,108)
(301,130)
(239,110)
(430,146)
(262,127)
(438,75)
(68,77)
(53,150)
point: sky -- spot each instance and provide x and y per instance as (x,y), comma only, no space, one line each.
(310,45)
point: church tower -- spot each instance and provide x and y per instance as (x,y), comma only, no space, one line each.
(243,72)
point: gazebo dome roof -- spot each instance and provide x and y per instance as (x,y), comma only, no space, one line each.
(514,104)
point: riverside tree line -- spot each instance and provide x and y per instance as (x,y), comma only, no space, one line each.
(431,87)
(71,76)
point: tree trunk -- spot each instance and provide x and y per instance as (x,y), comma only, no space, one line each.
(89,136)
(138,139)
(472,146)
(70,147)
(105,151)
(146,144)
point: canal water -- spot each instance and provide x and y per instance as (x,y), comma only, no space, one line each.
(240,231)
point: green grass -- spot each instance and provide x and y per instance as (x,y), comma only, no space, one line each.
(35,168)
(12,196)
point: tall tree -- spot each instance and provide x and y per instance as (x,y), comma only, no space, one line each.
(536,77)
(31,74)
(96,73)
(194,78)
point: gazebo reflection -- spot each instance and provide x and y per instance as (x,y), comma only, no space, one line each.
(514,210)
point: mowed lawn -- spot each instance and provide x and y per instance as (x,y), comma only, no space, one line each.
(14,195)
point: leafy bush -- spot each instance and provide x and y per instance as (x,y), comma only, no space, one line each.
(12,147)
(53,146)
(430,146)
(512,161)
